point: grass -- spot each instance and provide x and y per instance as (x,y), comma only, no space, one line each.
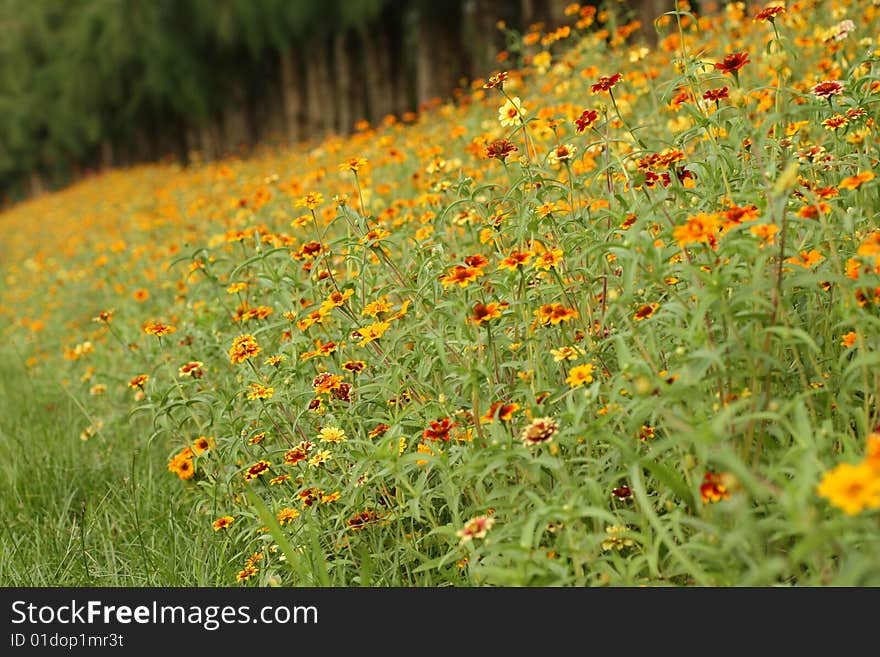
(636,345)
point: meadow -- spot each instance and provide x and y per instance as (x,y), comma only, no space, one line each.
(608,317)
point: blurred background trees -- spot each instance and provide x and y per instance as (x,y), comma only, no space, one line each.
(86,84)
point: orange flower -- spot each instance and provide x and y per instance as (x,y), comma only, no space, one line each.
(243,347)
(504,412)
(806,259)
(854,182)
(555,313)
(223,522)
(515,260)
(138,381)
(645,311)
(372,332)
(439,429)
(487,312)
(461,275)
(714,488)
(849,339)
(700,228)
(157,329)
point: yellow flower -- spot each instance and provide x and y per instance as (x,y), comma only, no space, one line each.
(851,488)
(331,435)
(580,375)
(372,332)
(511,113)
(223,522)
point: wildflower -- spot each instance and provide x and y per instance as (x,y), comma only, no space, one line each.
(835,122)
(439,429)
(223,522)
(331,435)
(311,200)
(827,89)
(840,31)
(733,62)
(246,573)
(298,453)
(355,366)
(540,430)
(98,389)
(202,444)
(500,149)
(813,211)
(461,275)
(511,113)
(614,540)
(645,311)
(622,492)
(515,260)
(713,488)
(330,497)
(139,381)
(158,329)
(378,430)
(549,259)
(562,153)
(256,439)
(769,13)
(372,332)
(141,295)
(716,95)
(555,313)
(849,339)
(286,516)
(567,353)
(257,469)
(606,83)
(337,299)
(309,496)
(181,464)
(362,519)
(353,164)
(193,369)
(486,312)
(700,228)
(579,375)
(504,412)
(646,432)
(375,308)
(319,459)
(275,360)
(496,80)
(259,391)
(806,259)
(587,119)
(851,488)
(854,182)
(243,347)
(326,382)
(104,317)
(476,527)
(280,479)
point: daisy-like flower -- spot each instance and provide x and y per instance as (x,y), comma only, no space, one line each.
(439,429)
(500,149)
(851,488)
(181,464)
(486,312)
(372,332)
(562,153)
(286,516)
(854,182)
(645,311)
(138,382)
(311,200)
(614,540)
(827,89)
(259,391)
(193,369)
(461,275)
(606,83)
(319,458)
(769,13)
(511,113)
(551,314)
(476,527)
(567,353)
(501,411)
(496,80)
(259,468)
(298,453)
(732,63)
(243,347)
(202,444)
(587,119)
(539,431)
(715,95)
(515,260)
(223,522)
(331,435)
(353,164)
(158,329)
(849,339)
(714,488)
(579,375)
(835,122)
(362,519)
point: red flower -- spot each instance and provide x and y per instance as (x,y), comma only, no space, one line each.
(827,89)
(733,62)
(716,94)
(586,119)
(500,149)
(439,429)
(606,83)
(769,13)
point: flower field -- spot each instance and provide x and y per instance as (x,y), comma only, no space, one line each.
(607,318)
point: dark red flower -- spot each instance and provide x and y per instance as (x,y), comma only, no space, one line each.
(733,62)
(606,83)
(586,120)
(500,149)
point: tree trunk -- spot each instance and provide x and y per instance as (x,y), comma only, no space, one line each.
(342,84)
(320,109)
(647,11)
(291,95)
